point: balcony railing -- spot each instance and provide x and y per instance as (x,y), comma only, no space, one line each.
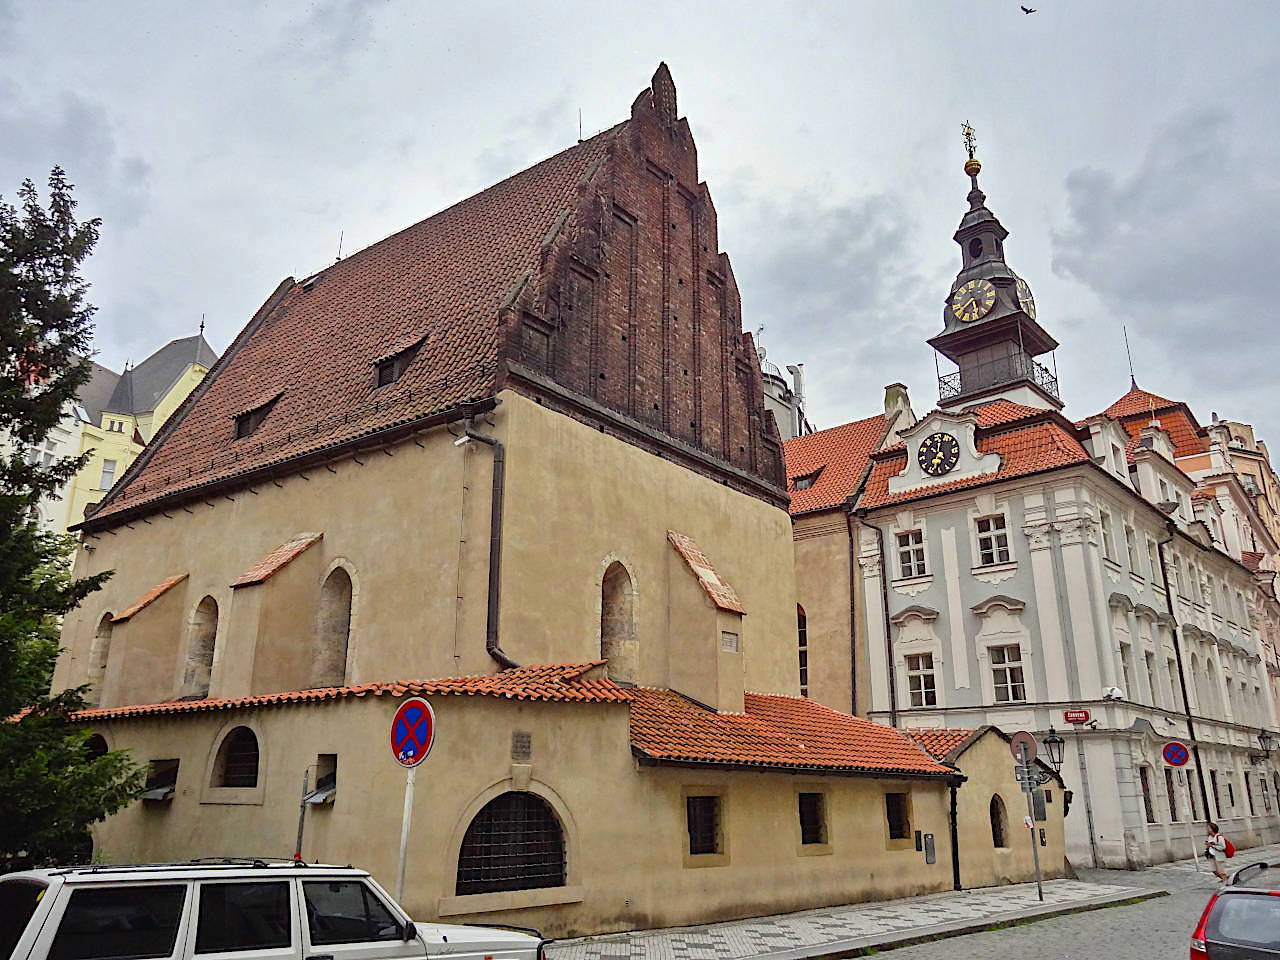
(994,373)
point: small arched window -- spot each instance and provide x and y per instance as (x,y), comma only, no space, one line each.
(99,650)
(618,624)
(237,761)
(999,822)
(802,638)
(333,630)
(515,842)
(95,747)
(202,634)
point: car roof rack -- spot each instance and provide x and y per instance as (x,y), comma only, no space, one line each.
(210,862)
(1251,871)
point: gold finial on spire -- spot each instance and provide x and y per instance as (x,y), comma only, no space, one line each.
(972,165)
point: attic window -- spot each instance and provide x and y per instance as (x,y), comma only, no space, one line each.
(251,420)
(807,481)
(392,368)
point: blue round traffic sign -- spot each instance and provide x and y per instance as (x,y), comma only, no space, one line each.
(1175,753)
(413,731)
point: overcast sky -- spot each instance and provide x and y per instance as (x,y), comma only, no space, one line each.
(1129,148)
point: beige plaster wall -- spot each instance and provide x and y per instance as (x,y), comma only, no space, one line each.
(988,765)
(578,499)
(627,842)
(822,585)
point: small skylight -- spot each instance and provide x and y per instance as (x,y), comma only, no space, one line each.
(392,368)
(250,420)
(806,481)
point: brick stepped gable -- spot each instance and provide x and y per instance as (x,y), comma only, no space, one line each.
(591,280)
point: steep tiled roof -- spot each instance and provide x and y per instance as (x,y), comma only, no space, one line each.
(562,682)
(276,560)
(774,732)
(1138,407)
(840,453)
(150,597)
(440,283)
(1027,441)
(721,594)
(939,742)
(1202,494)
(1137,401)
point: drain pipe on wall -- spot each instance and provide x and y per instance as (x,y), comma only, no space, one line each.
(1182,676)
(955,837)
(853,613)
(884,603)
(495,540)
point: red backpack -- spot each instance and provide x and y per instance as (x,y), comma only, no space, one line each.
(1229,849)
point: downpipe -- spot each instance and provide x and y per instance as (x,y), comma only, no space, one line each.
(497,495)
(888,630)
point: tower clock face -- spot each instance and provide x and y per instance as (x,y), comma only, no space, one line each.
(1025,299)
(973,300)
(939,453)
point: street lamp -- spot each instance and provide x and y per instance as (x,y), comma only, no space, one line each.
(1267,743)
(1053,744)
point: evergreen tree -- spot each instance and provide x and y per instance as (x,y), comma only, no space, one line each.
(52,786)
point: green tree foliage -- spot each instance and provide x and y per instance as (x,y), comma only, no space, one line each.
(52,785)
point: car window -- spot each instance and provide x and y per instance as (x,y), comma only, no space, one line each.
(119,923)
(347,911)
(1247,919)
(18,901)
(243,916)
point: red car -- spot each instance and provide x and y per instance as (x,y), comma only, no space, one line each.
(1242,920)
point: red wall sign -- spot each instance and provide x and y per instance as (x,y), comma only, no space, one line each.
(1075,716)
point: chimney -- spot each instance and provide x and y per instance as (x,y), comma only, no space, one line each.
(897,402)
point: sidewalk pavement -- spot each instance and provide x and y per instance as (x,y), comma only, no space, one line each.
(834,930)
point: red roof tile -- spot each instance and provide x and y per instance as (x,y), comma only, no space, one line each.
(150,597)
(1043,444)
(938,742)
(1253,561)
(775,732)
(441,281)
(1138,407)
(561,682)
(721,594)
(1137,401)
(276,560)
(840,454)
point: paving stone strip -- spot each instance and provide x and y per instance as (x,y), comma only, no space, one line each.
(834,929)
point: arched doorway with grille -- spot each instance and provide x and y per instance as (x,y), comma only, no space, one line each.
(515,842)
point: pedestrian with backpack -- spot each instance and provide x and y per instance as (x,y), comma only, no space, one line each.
(1217,849)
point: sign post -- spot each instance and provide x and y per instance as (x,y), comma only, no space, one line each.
(1024,749)
(1078,718)
(413,731)
(1176,755)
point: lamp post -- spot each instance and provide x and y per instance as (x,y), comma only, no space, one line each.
(1267,743)
(1053,745)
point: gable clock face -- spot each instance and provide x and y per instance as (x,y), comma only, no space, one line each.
(973,300)
(1025,300)
(939,453)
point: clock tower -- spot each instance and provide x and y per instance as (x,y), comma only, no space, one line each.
(990,329)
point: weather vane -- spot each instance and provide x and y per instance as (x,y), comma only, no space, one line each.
(970,140)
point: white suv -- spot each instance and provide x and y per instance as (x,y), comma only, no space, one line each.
(229,909)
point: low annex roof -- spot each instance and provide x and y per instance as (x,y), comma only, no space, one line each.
(838,456)
(276,560)
(774,732)
(148,598)
(1028,440)
(717,589)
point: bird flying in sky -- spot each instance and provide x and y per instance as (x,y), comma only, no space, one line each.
(1028,9)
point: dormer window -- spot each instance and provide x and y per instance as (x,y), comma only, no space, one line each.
(249,421)
(392,368)
(807,481)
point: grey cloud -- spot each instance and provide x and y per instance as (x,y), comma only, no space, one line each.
(334,30)
(839,288)
(77,135)
(1183,249)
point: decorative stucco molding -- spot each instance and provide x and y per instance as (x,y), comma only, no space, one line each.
(1011,604)
(1039,535)
(924,614)
(1121,602)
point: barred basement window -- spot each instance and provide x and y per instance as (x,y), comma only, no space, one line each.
(703,816)
(911,553)
(813,818)
(515,842)
(237,763)
(993,541)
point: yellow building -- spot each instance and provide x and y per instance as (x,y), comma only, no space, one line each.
(142,399)
(521,446)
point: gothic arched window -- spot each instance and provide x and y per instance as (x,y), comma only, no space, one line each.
(333,630)
(999,822)
(98,653)
(802,641)
(203,632)
(618,624)
(237,761)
